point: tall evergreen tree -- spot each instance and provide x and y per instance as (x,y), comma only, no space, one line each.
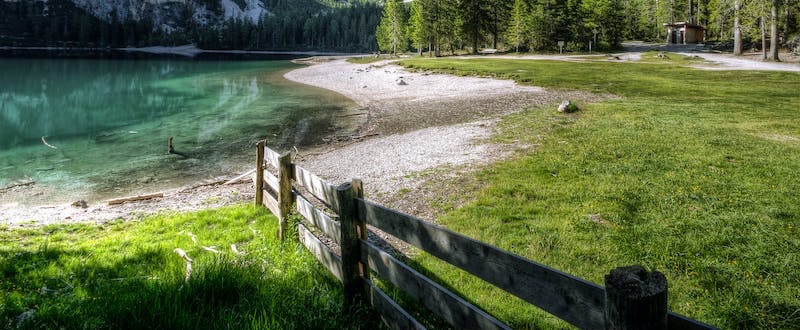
(517,25)
(391,30)
(417,32)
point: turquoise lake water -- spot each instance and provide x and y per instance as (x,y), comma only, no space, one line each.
(109,121)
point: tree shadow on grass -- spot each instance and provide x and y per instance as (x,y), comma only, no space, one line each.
(59,287)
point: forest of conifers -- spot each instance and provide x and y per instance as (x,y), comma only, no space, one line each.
(538,25)
(438,26)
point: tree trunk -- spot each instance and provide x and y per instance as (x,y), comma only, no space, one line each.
(737,30)
(773,41)
(764,37)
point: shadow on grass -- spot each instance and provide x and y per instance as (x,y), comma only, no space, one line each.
(71,288)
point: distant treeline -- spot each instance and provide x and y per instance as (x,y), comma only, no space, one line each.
(290,25)
(441,26)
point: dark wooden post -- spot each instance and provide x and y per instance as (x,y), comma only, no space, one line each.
(260,173)
(351,247)
(636,299)
(358,192)
(285,194)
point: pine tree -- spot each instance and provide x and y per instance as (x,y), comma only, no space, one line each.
(391,31)
(517,25)
(416,31)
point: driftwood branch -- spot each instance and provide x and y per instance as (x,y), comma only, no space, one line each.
(242,178)
(171,149)
(134,198)
(18,184)
(47,144)
(181,253)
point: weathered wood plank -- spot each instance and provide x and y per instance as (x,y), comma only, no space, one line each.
(577,301)
(272,204)
(677,321)
(445,304)
(394,316)
(318,187)
(270,180)
(284,193)
(118,201)
(350,246)
(319,219)
(321,251)
(259,178)
(272,157)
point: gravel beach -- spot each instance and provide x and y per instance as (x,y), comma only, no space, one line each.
(404,123)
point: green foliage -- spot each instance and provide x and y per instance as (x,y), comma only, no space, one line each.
(518,25)
(391,32)
(697,182)
(125,275)
(416,31)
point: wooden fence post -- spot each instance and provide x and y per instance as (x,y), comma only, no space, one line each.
(285,194)
(351,247)
(260,173)
(363,234)
(636,299)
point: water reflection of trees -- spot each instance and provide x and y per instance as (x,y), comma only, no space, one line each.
(76,97)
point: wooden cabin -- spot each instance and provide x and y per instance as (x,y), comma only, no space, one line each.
(683,33)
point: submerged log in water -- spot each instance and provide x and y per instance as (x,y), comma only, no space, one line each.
(172,150)
(19,183)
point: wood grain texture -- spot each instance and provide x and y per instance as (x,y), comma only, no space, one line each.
(318,187)
(350,245)
(319,219)
(394,316)
(271,181)
(285,198)
(272,157)
(322,252)
(259,179)
(442,302)
(577,301)
(272,204)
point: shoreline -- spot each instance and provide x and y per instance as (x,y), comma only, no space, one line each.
(398,129)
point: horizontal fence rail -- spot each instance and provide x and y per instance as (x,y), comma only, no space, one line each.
(321,189)
(572,299)
(447,305)
(577,301)
(318,218)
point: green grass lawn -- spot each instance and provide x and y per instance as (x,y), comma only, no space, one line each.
(693,173)
(125,275)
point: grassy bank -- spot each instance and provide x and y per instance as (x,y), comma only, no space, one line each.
(693,173)
(127,276)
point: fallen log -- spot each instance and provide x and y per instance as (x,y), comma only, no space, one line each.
(134,198)
(18,184)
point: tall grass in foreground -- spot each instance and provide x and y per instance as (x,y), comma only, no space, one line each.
(694,173)
(125,275)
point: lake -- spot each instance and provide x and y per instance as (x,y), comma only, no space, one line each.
(98,128)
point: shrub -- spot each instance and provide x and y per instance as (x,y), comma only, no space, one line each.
(794,44)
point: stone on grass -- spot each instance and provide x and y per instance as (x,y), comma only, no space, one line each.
(567,106)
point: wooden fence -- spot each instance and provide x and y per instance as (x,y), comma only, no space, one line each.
(632,297)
